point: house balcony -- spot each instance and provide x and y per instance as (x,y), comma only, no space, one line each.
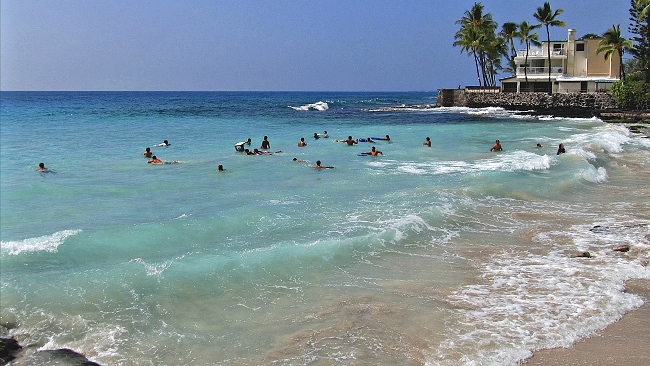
(541,52)
(542,70)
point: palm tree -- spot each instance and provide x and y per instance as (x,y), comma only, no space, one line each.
(546,16)
(525,36)
(468,40)
(477,31)
(613,42)
(509,33)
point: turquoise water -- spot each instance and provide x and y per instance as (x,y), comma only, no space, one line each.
(443,255)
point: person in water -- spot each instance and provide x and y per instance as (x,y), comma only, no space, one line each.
(325,135)
(147,153)
(265,143)
(220,168)
(298,160)
(561,149)
(164,143)
(42,168)
(155,160)
(318,166)
(539,146)
(373,152)
(316,137)
(350,141)
(496,146)
(302,142)
(427,142)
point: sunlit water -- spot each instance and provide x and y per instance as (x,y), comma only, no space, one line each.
(442,255)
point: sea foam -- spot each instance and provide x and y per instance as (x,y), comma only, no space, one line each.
(47,243)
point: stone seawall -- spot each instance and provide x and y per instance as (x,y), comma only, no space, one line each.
(566,105)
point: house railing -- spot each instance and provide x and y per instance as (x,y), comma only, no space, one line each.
(540,70)
(483,89)
(536,52)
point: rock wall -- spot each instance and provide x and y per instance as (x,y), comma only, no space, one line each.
(568,105)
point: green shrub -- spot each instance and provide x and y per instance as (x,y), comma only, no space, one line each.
(632,94)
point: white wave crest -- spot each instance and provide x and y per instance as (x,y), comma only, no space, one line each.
(594,175)
(153,269)
(318,106)
(516,161)
(48,243)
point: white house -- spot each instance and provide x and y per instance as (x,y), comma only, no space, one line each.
(575,67)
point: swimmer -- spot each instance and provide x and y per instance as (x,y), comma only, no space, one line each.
(325,135)
(155,160)
(298,160)
(350,141)
(561,149)
(367,139)
(539,146)
(373,152)
(42,168)
(147,153)
(240,146)
(302,142)
(248,142)
(427,142)
(265,143)
(316,137)
(164,143)
(318,166)
(496,146)
(220,168)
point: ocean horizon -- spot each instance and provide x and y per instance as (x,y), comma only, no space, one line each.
(444,255)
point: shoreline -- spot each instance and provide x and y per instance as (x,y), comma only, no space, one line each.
(624,342)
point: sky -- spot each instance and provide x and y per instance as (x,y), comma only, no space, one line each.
(258,45)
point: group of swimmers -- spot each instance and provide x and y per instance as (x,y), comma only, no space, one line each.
(497,147)
(153,159)
(240,147)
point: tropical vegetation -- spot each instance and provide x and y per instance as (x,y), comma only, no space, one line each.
(613,43)
(641,40)
(477,37)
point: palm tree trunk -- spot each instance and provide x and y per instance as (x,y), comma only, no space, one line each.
(478,74)
(621,70)
(548,50)
(526,64)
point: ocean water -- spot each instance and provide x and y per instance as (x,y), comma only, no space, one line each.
(442,255)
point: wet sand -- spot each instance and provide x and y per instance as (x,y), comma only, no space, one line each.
(626,342)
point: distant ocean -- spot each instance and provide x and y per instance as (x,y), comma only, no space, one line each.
(441,255)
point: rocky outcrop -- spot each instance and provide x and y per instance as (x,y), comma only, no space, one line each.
(564,105)
(11,351)
(9,348)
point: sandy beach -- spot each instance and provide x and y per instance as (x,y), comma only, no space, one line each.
(626,342)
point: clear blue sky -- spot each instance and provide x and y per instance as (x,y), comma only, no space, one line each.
(336,45)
